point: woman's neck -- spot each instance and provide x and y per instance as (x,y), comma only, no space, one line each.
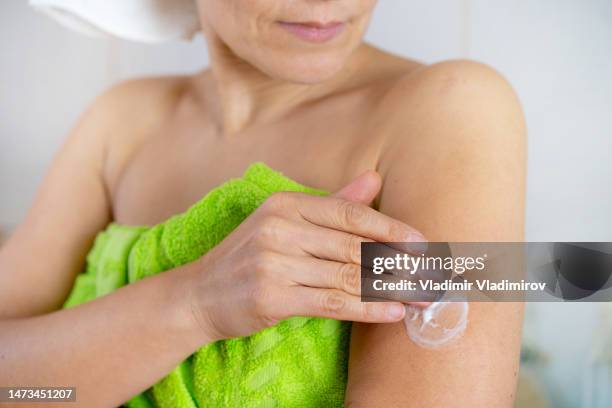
(238,95)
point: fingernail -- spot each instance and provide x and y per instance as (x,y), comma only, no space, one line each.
(395,312)
(415,237)
(417,242)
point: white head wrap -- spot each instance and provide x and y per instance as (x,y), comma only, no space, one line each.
(136,20)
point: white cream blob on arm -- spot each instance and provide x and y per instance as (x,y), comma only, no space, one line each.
(439,324)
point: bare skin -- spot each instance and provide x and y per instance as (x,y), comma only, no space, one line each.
(447,141)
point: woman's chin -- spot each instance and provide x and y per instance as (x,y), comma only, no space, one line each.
(308,71)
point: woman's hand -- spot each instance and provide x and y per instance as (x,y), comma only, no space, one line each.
(296,255)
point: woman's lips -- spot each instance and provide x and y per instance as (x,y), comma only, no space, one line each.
(313,31)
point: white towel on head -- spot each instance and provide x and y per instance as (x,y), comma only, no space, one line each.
(135,20)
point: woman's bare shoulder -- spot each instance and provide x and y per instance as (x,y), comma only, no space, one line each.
(455,90)
(455,105)
(136,104)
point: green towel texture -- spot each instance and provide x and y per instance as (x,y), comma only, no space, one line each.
(300,362)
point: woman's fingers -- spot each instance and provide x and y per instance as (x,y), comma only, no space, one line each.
(355,218)
(330,244)
(318,273)
(339,305)
(333,245)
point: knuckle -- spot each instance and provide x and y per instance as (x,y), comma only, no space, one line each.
(351,214)
(267,320)
(263,263)
(331,302)
(277,201)
(259,302)
(264,306)
(269,229)
(262,296)
(352,249)
(368,311)
(350,275)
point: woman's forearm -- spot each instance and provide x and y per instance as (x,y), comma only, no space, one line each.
(109,349)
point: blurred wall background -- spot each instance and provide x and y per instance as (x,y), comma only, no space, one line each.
(556,53)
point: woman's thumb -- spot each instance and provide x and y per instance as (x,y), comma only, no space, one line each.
(363,189)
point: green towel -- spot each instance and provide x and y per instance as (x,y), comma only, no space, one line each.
(300,362)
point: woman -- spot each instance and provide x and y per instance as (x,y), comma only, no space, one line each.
(293,85)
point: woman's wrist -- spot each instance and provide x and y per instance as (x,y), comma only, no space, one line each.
(183,306)
(189,305)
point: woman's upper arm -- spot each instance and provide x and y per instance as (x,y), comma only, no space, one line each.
(458,177)
(40,261)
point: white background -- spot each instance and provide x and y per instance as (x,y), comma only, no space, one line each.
(556,53)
